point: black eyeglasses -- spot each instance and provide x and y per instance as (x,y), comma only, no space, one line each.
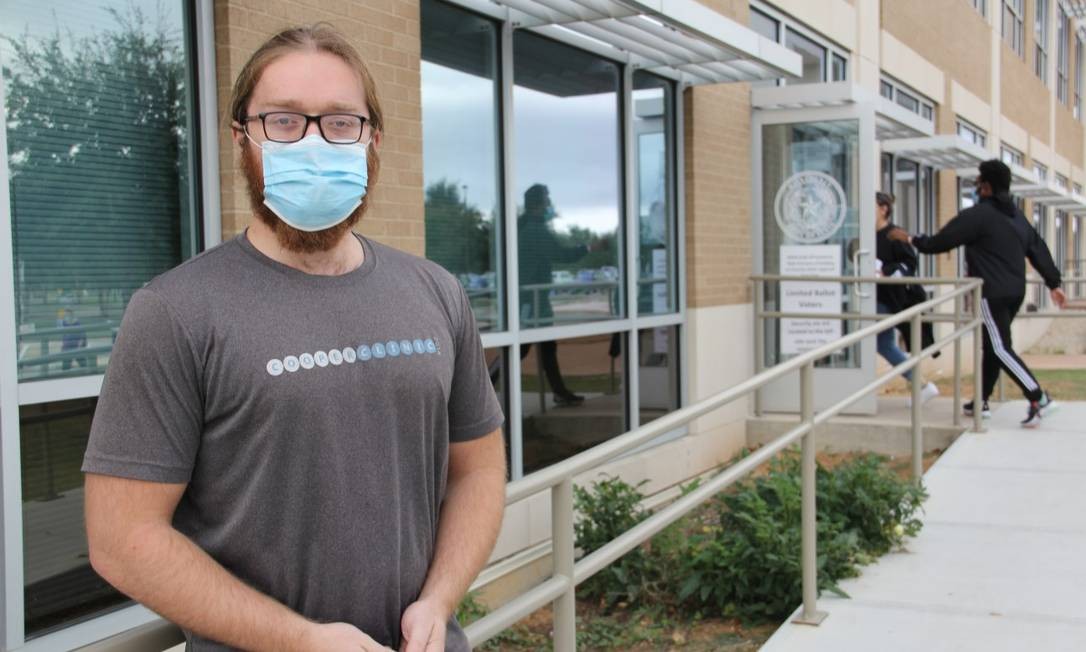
(290,127)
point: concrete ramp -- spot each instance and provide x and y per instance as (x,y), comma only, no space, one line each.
(1000,563)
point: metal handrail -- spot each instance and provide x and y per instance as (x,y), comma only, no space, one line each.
(558,479)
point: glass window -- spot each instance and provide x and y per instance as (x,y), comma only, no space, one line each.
(1078,77)
(569,198)
(764,25)
(654,117)
(972,134)
(1040,40)
(1013,11)
(658,372)
(830,150)
(908,101)
(1010,156)
(99,104)
(886,89)
(812,54)
(1041,171)
(840,68)
(1063,24)
(573,396)
(907,195)
(59,584)
(1060,252)
(460,153)
(981,6)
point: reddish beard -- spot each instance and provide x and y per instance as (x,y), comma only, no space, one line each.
(290,238)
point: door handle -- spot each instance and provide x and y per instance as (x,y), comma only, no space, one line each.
(856,272)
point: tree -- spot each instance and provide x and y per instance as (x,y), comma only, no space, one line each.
(98,148)
(458,237)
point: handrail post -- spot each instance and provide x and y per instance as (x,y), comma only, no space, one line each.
(916,346)
(759,340)
(957,362)
(808,518)
(564,608)
(978,369)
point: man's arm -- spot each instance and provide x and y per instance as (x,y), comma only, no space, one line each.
(962,230)
(468,525)
(134,546)
(1041,258)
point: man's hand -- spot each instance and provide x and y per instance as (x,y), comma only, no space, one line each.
(335,637)
(423,625)
(900,235)
(1058,297)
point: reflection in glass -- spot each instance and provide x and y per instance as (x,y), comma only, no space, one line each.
(461,162)
(59,584)
(652,128)
(830,148)
(567,187)
(573,396)
(764,24)
(99,125)
(812,54)
(906,207)
(658,371)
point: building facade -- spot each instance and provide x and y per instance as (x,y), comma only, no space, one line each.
(603,179)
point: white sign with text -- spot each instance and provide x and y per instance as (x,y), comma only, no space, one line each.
(802,335)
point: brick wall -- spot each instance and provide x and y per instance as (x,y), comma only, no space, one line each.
(718,194)
(386,32)
(952,35)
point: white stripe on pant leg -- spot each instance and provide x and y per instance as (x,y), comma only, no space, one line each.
(1011,363)
(997,345)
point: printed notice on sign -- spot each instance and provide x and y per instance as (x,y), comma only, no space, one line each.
(802,335)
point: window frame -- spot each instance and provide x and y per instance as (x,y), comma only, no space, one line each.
(15,393)
(925,108)
(981,6)
(1007,152)
(786,23)
(971,132)
(513,335)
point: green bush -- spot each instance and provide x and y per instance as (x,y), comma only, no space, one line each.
(606,510)
(740,554)
(869,499)
(749,564)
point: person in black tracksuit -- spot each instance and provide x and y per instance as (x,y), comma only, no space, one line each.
(998,239)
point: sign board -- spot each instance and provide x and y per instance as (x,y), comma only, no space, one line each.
(802,335)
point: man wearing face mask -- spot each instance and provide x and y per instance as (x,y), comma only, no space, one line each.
(297,445)
(998,239)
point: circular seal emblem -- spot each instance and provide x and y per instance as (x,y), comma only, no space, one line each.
(810,207)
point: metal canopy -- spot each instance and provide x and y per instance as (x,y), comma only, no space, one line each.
(1076,8)
(1074,203)
(1041,192)
(681,39)
(891,120)
(943,152)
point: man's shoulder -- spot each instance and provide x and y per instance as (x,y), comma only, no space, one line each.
(406,265)
(197,274)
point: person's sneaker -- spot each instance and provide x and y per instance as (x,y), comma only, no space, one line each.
(927,392)
(1048,406)
(985,412)
(1033,419)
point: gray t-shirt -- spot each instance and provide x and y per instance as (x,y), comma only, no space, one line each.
(311,417)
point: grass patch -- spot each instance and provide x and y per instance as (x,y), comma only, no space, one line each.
(1062,384)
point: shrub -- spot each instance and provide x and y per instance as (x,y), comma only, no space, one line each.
(866,497)
(749,564)
(606,510)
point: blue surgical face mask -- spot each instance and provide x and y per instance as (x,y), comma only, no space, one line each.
(312,184)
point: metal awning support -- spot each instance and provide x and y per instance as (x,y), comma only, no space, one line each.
(943,152)
(1076,8)
(681,39)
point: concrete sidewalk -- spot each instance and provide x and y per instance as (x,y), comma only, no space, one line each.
(1000,563)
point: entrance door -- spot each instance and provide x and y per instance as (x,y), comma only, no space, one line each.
(814,204)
